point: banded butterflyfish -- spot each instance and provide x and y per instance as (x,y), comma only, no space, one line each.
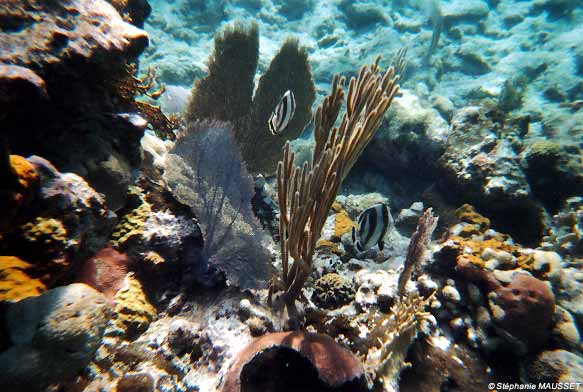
(283,113)
(372,225)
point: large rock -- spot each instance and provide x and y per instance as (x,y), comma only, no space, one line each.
(56,224)
(68,198)
(569,293)
(484,170)
(411,142)
(567,234)
(66,63)
(553,171)
(54,336)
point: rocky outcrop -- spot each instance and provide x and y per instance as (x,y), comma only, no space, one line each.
(63,69)
(499,297)
(132,312)
(484,170)
(411,142)
(54,336)
(56,221)
(553,366)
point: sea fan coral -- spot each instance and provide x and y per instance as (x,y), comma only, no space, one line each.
(205,172)
(226,94)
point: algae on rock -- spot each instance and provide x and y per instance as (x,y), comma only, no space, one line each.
(132,312)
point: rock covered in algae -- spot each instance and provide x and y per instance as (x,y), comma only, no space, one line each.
(69,198)
(63,61)
(415,138)
(132,311)
(54,336)
(553,366)
(59,222)
(485,170)
(554,171)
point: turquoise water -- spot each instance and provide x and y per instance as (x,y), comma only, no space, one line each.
(291,195)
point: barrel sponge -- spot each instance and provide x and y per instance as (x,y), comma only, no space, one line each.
(226,92)
(289,70)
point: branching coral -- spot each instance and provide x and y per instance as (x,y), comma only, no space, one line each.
(394,334)
(306,193)
(127,86)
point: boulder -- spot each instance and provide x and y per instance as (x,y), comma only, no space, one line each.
(66,63)
(414,138)
(483,169)
(54,336)
(553,366)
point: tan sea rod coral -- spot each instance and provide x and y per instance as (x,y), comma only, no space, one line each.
(306,193)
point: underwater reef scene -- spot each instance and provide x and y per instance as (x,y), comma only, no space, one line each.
(291,195)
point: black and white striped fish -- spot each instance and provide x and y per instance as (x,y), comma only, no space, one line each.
(283,113)
(373,224)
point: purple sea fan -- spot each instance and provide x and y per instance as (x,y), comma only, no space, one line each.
(205,171)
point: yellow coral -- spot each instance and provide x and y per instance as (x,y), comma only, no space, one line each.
(343,225)
(467,213)
(329,246)
(27,175)
(15,284)
(470,230)
(472,250)
(131,225)
(133,312)
(48,231)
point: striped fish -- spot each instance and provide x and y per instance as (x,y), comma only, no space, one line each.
(373,224)
(283,113)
